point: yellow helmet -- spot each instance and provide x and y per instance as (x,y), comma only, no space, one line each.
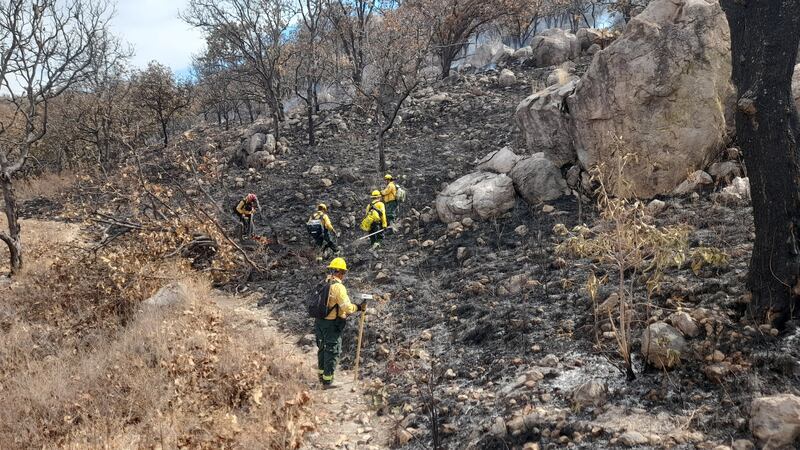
(322,207)
(376,193)
(388,177)
(338,264)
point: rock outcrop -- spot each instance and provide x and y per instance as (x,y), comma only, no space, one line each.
(537,180)
(664,87)
(544,120)
(479,195)
(553,47)
(500,161)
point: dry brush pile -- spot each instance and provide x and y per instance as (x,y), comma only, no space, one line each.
(84,362)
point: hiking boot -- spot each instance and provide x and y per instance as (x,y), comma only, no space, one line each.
(328,386)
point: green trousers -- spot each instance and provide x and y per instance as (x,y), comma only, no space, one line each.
(329,346)
(376,237)
(391,211)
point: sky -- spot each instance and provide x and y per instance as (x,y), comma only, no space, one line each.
(156,32)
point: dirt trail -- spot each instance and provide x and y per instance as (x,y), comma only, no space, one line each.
(343,416)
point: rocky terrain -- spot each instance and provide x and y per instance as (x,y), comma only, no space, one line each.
(488,334)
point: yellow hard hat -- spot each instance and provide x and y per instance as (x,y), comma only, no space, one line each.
(376,193)
(388,177)
(338,264)
(322,207)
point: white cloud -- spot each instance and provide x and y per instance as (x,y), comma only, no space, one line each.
(157,33)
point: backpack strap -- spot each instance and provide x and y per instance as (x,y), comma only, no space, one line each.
(336,306)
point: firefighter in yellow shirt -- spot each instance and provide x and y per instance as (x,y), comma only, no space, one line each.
(377,212)
(328,331)
(321,229)
(246,209)
(390,198)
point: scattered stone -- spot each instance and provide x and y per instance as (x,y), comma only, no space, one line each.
(403,436)
(521,230)
(656,207)
(633,438)
(742,444)
(696,181)
(663,346)
(507,78)
(591,393)
(550,360)
(716,373)
(450,373)
(775,420)
(326,182)
(547,209)
(685,323)
(498,428)
(316,170)
(382,277)
(462,253)
(260,160)
(725,171)
(169,295)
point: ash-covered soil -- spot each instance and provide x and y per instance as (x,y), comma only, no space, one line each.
(482,332)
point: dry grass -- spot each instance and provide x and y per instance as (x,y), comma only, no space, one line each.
(40,239)
(48,185)
(179,376)
(84,364)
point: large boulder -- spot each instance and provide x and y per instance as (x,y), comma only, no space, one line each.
(500,161)
(553,47)
(522,53)
(664,90)
(663,346)
(537,180)
(479,195)
(545,122)
(261,142)
(588,37)
(490,53)
(775,420)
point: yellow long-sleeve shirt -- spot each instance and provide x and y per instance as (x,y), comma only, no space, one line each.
(326,221)
(245,208)
(338,296)
(378,211)
(390,193)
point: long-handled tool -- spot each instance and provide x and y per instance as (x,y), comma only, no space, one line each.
(364,298)
(371,234)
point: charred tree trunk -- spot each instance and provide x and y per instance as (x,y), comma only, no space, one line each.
(446,56)
(310,113)
(381,151)
(165,132)
(12,239)
(764,41)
